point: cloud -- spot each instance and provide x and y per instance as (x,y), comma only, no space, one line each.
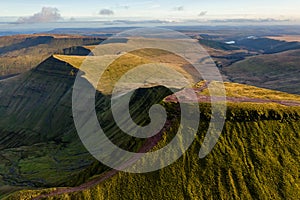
(179,8)
(201,14)
(124,7)
(47,14)
(106,12)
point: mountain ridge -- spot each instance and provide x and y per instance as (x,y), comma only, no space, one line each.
(245,163)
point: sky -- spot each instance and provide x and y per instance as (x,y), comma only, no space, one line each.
(155,9)
(165,11)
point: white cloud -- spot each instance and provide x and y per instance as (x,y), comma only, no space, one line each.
(123,7)
(106,12)
(201,14)
(179,8)
(47,14)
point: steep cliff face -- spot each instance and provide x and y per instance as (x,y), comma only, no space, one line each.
(77,50)
(39,145)
(29,102)
(257,156)
(253,159)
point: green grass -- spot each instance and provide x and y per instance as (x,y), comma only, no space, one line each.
(39,143)
(252,160)
(257,156)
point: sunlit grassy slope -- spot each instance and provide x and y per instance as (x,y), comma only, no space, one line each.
(112,67)
(257,156)
(242,90)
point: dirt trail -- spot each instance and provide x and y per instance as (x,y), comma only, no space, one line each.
(204,98)
(151,142)
(148,145)
(183,96)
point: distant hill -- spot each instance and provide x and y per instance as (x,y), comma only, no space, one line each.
(267,45)
(275,71)
(218,45)
(19,53)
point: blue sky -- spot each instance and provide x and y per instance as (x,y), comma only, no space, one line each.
(154,9)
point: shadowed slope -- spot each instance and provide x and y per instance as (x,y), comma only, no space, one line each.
(39,142)
(257,156)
